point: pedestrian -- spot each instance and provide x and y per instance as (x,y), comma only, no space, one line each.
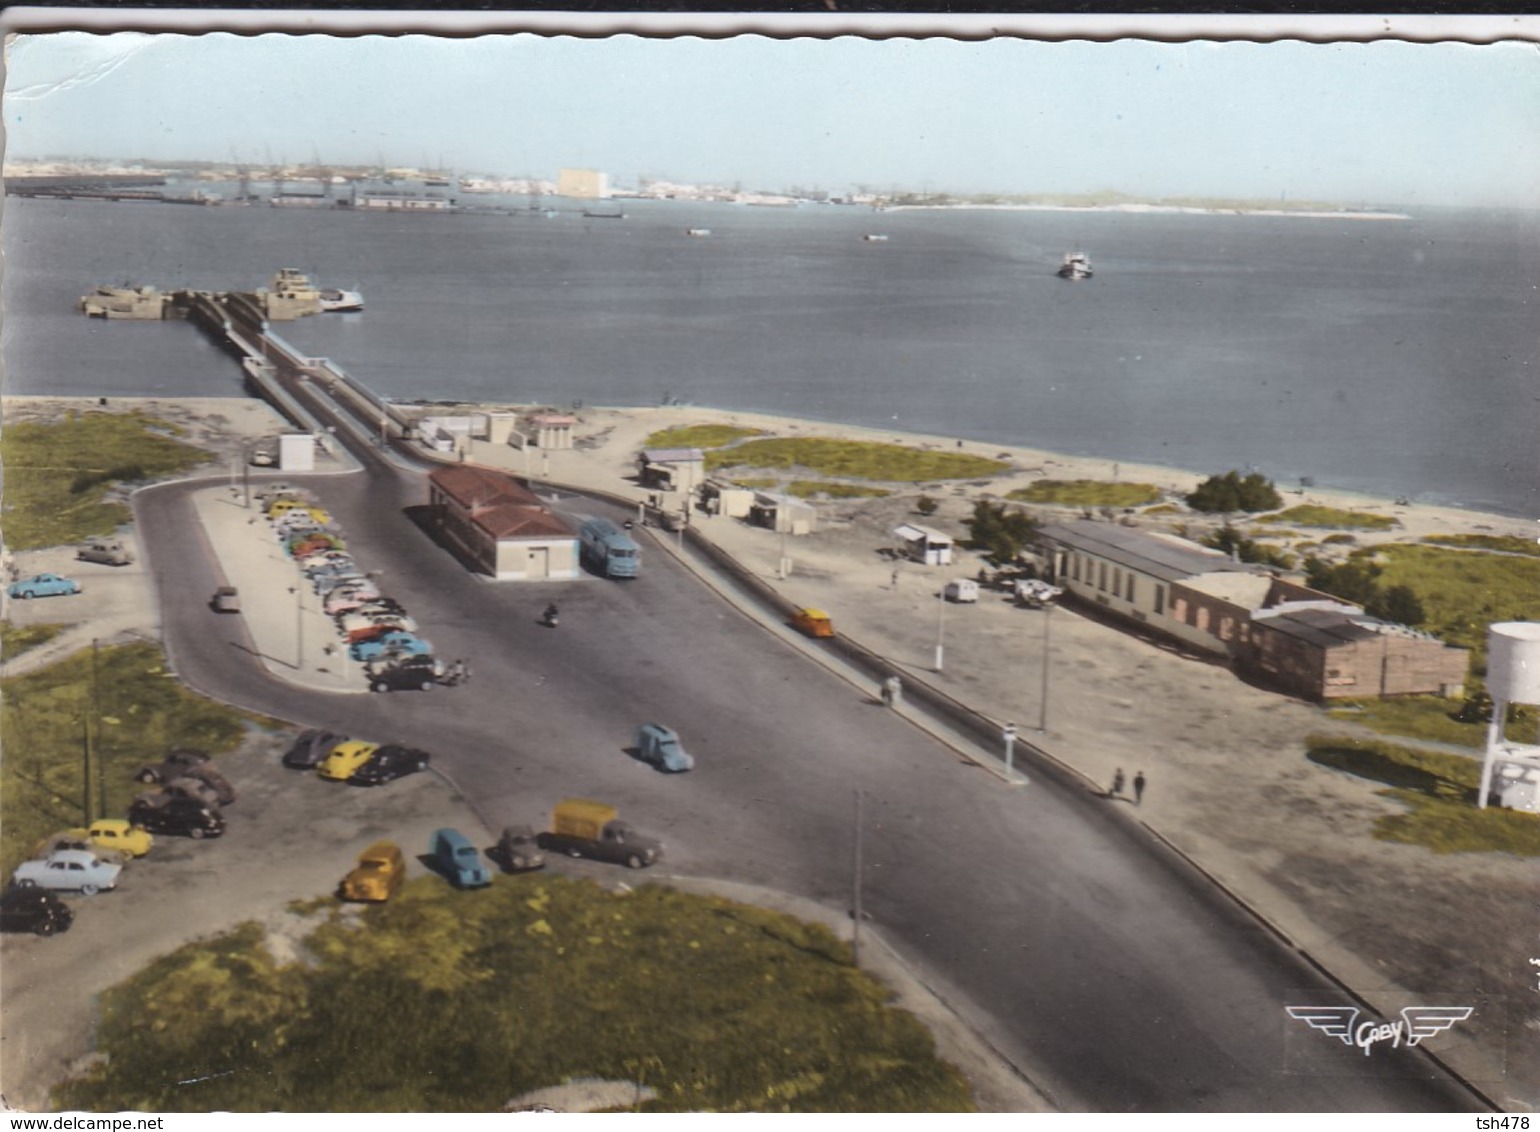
(893,584)
(1139,788)
(1117,784)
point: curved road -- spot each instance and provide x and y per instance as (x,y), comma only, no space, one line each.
(1090,956)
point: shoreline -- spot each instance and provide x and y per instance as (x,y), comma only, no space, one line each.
(1028,463)
(1165,209)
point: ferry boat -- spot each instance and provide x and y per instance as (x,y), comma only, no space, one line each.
(340,302)
(125,302)
(1076,265)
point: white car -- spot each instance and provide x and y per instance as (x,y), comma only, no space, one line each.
(69,870)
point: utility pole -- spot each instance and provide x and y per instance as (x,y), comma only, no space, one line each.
(1042,719)
(855,932)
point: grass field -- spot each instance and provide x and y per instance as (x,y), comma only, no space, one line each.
(449,1001)
(1439,791)
(1507,544)
(1462,591)
(1086,493)
(806,489)
(134,716)
(57,475)
(699,436)
(855,459)
(1330,518)
(15,640)
(1413,717)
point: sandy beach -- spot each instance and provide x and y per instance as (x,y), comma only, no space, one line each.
(1230,785)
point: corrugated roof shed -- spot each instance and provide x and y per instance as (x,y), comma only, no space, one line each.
(1165,558)
(498,505)
(1325,628)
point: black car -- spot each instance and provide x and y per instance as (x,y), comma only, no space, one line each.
(28,908)
(410,673)
(178,761)
(176,814)
(389,763)
(311,748)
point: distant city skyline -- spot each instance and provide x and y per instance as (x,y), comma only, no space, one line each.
(1395,123)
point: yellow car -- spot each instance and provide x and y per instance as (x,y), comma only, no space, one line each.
(115,833)
(345,759)
(380,874)
(115,838)
(813,622)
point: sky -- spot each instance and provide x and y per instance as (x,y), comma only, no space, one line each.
(1390,122)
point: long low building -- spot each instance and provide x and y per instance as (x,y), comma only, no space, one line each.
(1270,629)
(500,527)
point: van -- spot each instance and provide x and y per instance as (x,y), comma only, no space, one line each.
(379,875)
(813,622)
(457,859)
(962,590)
(659,746)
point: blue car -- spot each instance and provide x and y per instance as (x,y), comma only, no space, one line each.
(43,585)
(659,746)
(398,643)
(457,859)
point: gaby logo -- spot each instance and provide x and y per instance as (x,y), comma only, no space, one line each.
(1415,1024)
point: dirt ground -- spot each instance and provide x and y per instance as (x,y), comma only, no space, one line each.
(1228,781)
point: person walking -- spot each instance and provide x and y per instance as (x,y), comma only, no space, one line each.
(1117,784)
(1139,788)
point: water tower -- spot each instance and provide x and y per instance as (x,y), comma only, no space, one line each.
(1513,677)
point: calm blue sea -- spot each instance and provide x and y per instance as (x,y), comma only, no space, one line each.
(1395,357)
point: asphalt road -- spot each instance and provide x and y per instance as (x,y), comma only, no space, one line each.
(1084,951)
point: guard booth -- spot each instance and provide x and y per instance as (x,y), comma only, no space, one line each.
(782,513)
(922,544)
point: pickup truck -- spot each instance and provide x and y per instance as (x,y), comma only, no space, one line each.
(583,828)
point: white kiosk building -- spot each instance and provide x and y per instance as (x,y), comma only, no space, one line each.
(1510,772)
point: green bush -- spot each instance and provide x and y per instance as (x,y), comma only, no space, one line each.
(1312,515)
(1002,535)
(1231,541)
(1232,492)
(18,639)
(806,489)
(448,1001)
(1505,544)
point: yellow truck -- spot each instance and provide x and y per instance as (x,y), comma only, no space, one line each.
(581,827)
(380,874)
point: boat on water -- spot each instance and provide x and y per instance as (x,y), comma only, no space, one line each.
(874,237)
(592,215)
(336,301)
(1076,265)
(125,302)
(697,231)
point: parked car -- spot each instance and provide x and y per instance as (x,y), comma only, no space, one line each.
(407,673)
(114,835)
(389,763)
(194,788)
(457,859)
(659,746)
(379,874)
(348,599)
(75,839)
(345,759)
(226,599)
(176,763)
(43,585)
(394,643)
(813,622)
(518,851)
(311,748)
(162,812)
(29,908)
(70,870)
(109,552)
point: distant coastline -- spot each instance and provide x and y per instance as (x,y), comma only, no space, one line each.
(1316,214)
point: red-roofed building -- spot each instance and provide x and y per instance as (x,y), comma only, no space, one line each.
(499,527)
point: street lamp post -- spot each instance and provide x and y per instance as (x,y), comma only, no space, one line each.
(940,627)
(1042,719)
(299,627)
(1009,735)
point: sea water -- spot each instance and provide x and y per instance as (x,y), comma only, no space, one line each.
(1397,357)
